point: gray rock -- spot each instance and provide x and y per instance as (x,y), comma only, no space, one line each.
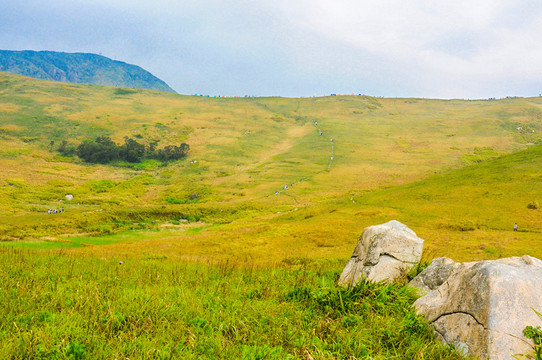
(383,252)
(434,275)
(484,306)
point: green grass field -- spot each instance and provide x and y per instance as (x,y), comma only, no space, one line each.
(63,306)
(459,173)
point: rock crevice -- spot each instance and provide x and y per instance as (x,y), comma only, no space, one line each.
(459,312)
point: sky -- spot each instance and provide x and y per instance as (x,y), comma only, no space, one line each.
(391,48)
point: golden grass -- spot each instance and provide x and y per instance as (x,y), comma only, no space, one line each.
(246,149)
(9,108)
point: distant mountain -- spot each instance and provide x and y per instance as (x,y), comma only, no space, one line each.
(79,68)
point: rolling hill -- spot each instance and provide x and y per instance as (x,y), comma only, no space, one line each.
(234,251)
(82,68)
(245,155)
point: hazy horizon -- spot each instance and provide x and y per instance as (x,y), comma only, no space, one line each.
(442,50)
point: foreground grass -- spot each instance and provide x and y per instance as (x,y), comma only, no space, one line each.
(62,306)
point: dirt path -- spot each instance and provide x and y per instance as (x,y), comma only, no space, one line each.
(331,157)
(321,133)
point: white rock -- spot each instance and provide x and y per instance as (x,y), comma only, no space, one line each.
(383,252)
(483,307)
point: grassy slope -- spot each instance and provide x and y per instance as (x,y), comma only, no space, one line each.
(394,159)
(472,210)
(466,214)
(246,149)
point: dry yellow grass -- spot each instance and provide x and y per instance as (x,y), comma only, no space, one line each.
(246,149)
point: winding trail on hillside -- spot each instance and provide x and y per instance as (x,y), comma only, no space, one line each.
(315,123)
(321,133)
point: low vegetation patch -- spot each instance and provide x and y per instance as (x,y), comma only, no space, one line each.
(59,305)
(533,205)
(479,154)
(103,150)
(535,334)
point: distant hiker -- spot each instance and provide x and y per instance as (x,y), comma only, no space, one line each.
(516,227)
(321,133)
(48,211)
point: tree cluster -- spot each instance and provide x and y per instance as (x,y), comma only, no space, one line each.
(103,150)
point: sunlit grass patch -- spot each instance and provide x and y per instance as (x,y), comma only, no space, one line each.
(145,307)
(244,150)
(65,242)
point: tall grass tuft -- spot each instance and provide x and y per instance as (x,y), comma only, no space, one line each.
(535,334)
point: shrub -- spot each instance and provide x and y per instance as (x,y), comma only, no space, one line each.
(131,151)
(125,91)
(66,149)
(173,200)
(460,226)
(103,150)
(172,152)
(533,205)
(535,333)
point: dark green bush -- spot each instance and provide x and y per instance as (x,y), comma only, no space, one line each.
(103,151)
(533,205)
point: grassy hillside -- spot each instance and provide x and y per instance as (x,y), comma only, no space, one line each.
(211,256)
(472,210)
(243,150)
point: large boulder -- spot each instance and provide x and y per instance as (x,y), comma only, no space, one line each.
(383,252)
(483,307)
(434,275)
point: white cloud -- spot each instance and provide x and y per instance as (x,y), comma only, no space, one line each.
(461,40)
(466,48)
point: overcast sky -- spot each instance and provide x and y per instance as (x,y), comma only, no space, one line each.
(415,48)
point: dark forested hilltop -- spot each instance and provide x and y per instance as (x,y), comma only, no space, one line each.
(79,68)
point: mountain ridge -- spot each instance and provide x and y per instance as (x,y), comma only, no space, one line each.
(80,68)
